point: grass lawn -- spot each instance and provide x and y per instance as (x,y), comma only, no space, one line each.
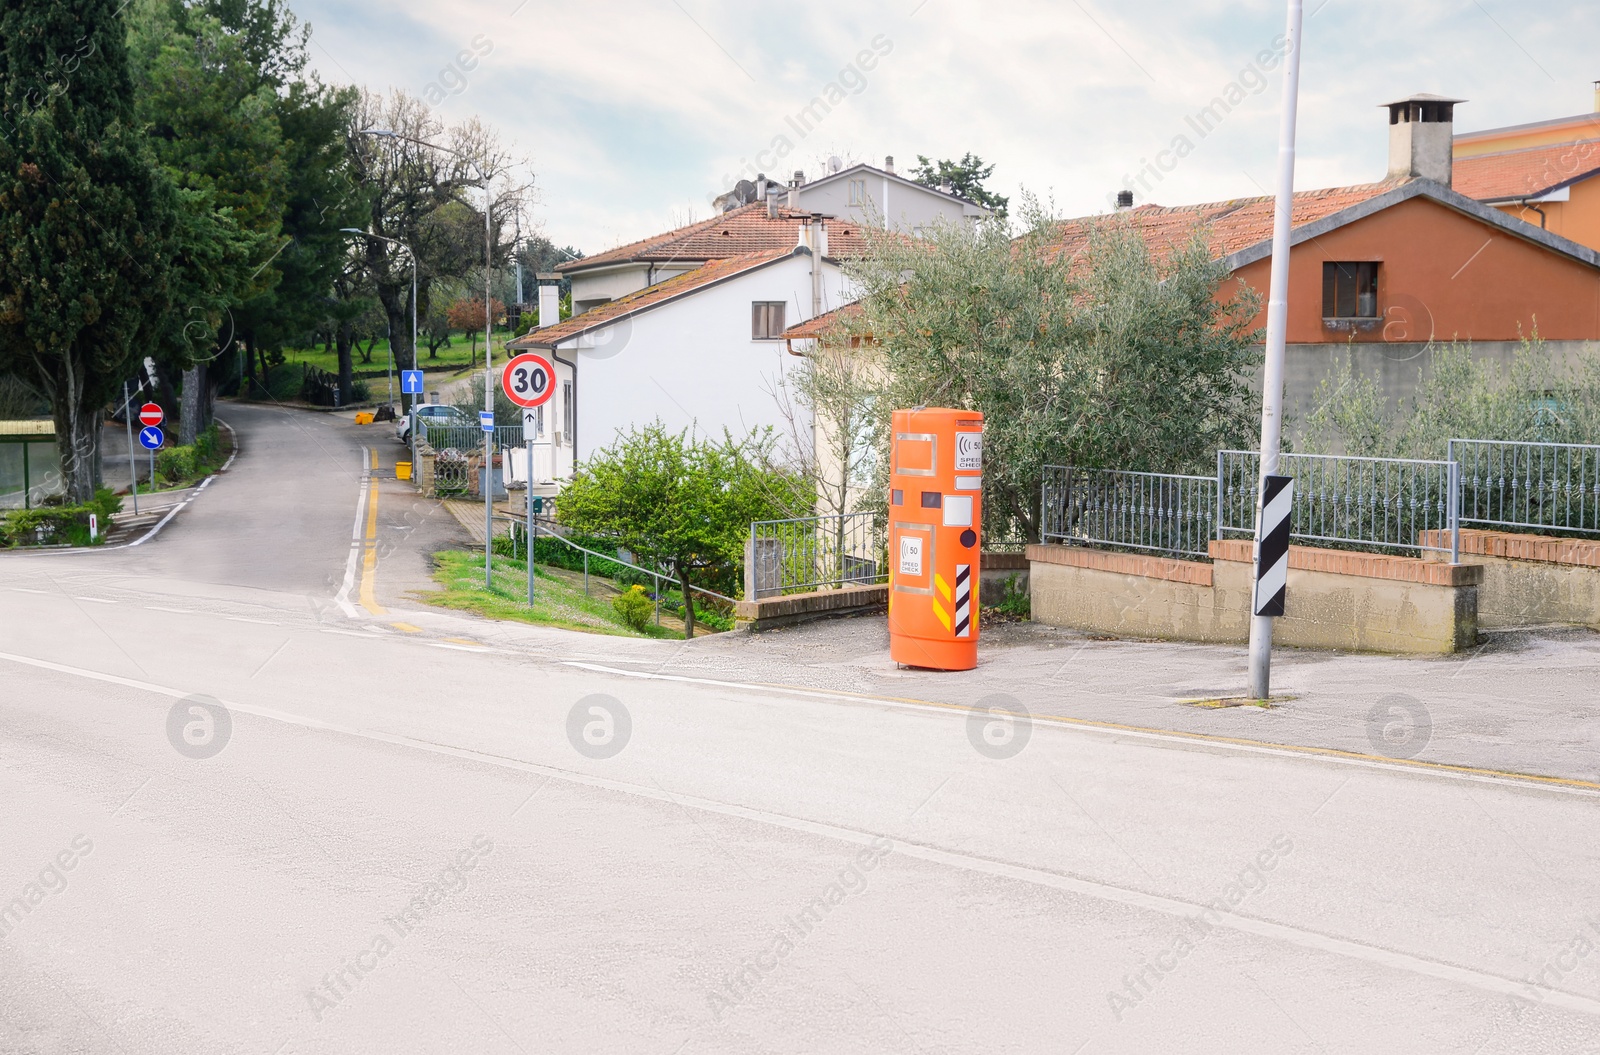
(558,595)
(453,358)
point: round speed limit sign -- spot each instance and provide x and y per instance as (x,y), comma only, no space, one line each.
(529,380)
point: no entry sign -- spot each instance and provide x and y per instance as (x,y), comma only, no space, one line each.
(529,380)
(151,414)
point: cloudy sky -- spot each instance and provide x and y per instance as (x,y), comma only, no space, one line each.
(633,114)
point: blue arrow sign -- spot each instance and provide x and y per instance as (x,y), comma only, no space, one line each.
(411,382)
(150,438)
(486,419)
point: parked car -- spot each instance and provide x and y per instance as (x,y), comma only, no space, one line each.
(433,414)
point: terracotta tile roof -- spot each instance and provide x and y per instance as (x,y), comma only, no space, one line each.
(746,229)
(650,296)
(1229,226)
(823,324)
(1525,173)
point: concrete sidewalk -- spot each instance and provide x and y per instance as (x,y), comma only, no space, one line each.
(1526,702)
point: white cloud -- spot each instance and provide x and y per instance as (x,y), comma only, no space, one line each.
(635,110)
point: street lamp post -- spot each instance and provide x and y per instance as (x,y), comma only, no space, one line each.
(488,340)
(1277,328)
(412,431)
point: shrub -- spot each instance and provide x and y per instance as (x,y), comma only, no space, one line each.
(635,607)
(177,463)
(56,525)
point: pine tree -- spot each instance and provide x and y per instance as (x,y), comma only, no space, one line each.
(88,224)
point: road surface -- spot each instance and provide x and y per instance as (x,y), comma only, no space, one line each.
(256,801)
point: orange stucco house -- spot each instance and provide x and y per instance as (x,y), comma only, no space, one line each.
(1378,270)
(1542,172)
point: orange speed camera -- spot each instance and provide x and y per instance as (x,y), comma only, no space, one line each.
(935,512)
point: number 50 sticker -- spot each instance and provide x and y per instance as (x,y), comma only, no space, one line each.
(529,380)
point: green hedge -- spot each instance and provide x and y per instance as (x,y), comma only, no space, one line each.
(179,465)
(57,525)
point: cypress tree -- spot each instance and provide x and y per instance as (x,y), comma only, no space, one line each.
(88,225)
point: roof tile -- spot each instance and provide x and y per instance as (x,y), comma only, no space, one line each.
(1525,173)
(747,229)
(650,296)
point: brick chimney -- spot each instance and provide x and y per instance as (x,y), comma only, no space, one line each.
(1421,131)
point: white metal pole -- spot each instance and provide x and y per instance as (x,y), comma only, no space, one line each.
(529,538)
(488,386)
(1277,339)
(127,418)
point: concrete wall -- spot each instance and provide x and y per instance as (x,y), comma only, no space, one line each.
(1337,600)
(1533,580)
(1396,365)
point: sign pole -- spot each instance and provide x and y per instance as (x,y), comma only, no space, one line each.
(530,520)
(127,418)
(1277,339)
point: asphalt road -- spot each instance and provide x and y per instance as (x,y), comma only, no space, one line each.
(412,831)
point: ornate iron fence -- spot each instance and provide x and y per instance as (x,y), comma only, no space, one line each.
(1148,512)
(812,553)
(1515,484)
(1386,504)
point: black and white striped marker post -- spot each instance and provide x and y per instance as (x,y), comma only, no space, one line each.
(963,619)
(1272,544)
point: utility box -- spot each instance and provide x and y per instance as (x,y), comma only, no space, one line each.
(935,537)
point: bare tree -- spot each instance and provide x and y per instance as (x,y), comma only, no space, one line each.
(418,195)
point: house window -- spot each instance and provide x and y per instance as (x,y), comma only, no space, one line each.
(1350,291)
(566,411)
(858,192)
(766,320)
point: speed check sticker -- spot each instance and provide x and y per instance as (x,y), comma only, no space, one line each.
(529,380)
(910,555)
(969,451)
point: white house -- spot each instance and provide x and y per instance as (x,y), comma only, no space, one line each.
(754,228)
(702,350)
(879,196)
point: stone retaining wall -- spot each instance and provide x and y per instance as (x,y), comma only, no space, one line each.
(1337,599)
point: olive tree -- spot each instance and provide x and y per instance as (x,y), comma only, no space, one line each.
(1079,342)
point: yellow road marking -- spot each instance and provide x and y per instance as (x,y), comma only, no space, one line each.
(407,627)
(369,558)
(466,641)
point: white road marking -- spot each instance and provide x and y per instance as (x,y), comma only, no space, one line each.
(94,600)
(1045,722)
(24,589)
(1137,899)
(174,611)
(242,619)
(342,599)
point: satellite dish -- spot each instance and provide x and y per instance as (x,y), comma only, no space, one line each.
(744,191)
(835,163)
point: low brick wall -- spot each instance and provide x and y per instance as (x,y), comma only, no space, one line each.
(995,568)
(1337,600)
(1532,580)
(772,612)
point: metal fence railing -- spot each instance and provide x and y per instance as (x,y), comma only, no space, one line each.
(1513,484)
(1149,512)
(1384,504)
(468,437)
(812,553)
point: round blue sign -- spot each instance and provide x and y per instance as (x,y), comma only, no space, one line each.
(150,438)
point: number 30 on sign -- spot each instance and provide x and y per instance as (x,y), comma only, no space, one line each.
(529,380)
